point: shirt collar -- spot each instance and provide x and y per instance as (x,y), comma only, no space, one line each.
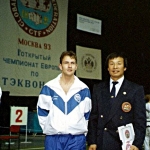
(119,80)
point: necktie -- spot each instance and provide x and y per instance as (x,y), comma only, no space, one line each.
(113,91)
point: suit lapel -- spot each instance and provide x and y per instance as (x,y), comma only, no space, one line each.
(106,99)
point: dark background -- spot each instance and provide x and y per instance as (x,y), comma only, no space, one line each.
(125,27)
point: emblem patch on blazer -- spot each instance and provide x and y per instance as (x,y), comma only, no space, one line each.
(126,106)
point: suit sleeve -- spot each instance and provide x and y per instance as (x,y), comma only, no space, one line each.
(139,122)
(92,126)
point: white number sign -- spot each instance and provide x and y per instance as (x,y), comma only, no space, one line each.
(18,115)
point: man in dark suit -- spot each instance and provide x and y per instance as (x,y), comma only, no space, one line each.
(112,111)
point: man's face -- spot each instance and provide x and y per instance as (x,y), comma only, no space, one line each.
(68,66)
(116,68)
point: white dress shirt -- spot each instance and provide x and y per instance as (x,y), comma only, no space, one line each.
(118,85)
(0,92)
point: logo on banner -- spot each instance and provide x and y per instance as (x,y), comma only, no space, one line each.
(89,63)
(38,18)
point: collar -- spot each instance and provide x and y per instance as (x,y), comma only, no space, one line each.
(119,80)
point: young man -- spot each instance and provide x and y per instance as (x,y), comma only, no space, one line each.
(64,107)
(109,111)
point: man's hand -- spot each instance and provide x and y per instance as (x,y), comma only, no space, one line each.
(133,147)
(93,147)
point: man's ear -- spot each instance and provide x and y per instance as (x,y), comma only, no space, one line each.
(76,67)
(108,69)
(60,66)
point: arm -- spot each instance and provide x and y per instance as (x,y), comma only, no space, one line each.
(139,122)
(43,105)
(93,121)
(87,99)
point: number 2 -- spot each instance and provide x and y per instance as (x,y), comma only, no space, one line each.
(19,114)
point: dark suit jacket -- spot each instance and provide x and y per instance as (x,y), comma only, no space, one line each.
(105,119)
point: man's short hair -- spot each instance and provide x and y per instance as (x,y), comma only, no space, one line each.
(68,53)
(115,55)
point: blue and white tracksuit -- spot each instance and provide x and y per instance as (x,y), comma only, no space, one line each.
(64,114)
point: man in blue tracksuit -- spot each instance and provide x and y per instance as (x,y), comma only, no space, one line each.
(64,107)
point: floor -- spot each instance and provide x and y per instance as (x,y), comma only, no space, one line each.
(29,142)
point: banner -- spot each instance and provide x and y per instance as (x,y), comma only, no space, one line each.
(33,36)
(89,63)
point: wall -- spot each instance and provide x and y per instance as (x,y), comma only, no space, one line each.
(125,27)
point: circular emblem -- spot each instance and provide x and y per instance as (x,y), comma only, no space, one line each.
(89,63)
(77,98)
(126,106)
(38,18)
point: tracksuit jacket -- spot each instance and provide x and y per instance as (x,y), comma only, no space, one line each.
(61,113)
